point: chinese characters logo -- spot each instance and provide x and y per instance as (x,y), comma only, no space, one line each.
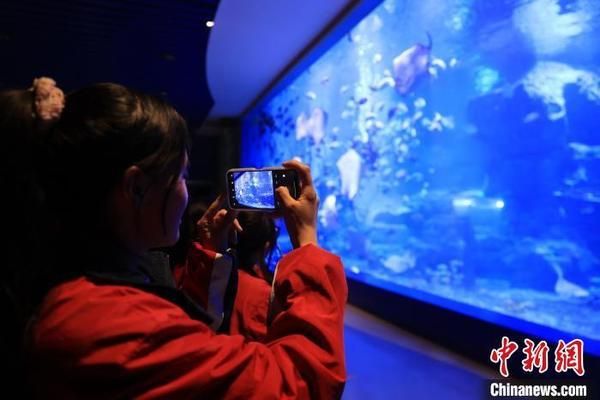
(567,356)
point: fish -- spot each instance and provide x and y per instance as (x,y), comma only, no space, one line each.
(311,95)
(433,72)
(532,116)
(438,123)
(439,63)
(346,114)
(400,263)
(328,212)
(382,83)
(400,109)
(411,64)
(435,65)
(584,151)
(313,126)
(420,102)
(349,165)
(565,288)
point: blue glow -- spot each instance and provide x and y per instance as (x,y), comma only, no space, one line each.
(455,151)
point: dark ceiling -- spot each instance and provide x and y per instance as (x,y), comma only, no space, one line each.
(157,46)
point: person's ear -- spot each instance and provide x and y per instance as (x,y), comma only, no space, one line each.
(134,185)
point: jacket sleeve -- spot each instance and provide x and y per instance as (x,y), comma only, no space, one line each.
(251,307)
(204,277)
(302,358)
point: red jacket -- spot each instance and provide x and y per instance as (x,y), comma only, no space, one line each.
(111,341)
(251,307)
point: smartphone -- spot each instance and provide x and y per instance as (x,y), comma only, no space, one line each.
(251,189)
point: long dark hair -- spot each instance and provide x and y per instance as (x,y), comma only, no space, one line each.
(259,229)
(104,129)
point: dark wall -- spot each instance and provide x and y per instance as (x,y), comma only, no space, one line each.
(215,149)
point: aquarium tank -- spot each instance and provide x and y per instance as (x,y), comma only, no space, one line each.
(455,148)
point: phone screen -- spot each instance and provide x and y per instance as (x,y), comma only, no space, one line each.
(254,189)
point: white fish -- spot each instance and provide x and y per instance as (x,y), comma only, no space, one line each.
(349,166)
(402,108)
(310,95)
(433,72)
(432,125)
(438,62)
(448,122)
(376,23)
(400,263)
(438,123)
(328,212)
(420,102)
(347,114)
(584,151)
(569,289)
(406,123)
(313,126)
(532,116)
(453,62)
(386,81)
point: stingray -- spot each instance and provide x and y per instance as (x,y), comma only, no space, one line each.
(411,64)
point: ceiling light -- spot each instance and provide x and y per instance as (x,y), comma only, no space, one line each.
(210,24)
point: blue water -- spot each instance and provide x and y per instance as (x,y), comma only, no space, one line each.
(469,176)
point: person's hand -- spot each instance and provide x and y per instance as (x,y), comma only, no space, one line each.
(300,214)
(213,229)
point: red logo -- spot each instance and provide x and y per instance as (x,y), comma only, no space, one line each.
(503,354)
(567,356)
(535,356)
